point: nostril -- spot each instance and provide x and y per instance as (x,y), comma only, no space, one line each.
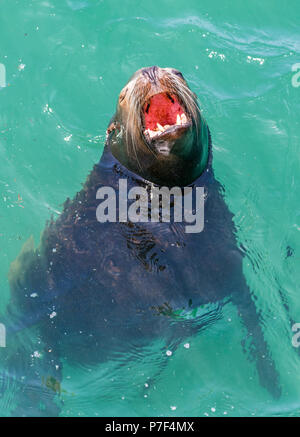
(151,73)
(154,69)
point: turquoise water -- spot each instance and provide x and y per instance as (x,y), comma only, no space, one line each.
(66,62)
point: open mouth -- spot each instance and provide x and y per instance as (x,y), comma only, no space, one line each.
(164,116)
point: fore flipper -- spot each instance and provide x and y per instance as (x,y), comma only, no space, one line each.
(256,342)
(32,370)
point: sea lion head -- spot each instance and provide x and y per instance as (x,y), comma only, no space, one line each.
(158,131)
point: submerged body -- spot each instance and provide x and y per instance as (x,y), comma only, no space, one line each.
(97,276)
(90,287)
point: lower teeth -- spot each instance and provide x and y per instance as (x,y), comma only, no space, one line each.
(180,120)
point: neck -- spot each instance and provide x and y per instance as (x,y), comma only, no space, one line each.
(186,162)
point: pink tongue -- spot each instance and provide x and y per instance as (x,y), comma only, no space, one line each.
(162,111)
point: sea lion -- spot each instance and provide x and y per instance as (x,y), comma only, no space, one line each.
(92,286)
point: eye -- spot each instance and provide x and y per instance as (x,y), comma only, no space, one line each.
(178,74)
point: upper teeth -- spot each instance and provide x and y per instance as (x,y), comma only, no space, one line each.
(183,119)
(180,119)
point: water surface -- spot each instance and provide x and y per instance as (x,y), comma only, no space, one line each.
(66,61)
